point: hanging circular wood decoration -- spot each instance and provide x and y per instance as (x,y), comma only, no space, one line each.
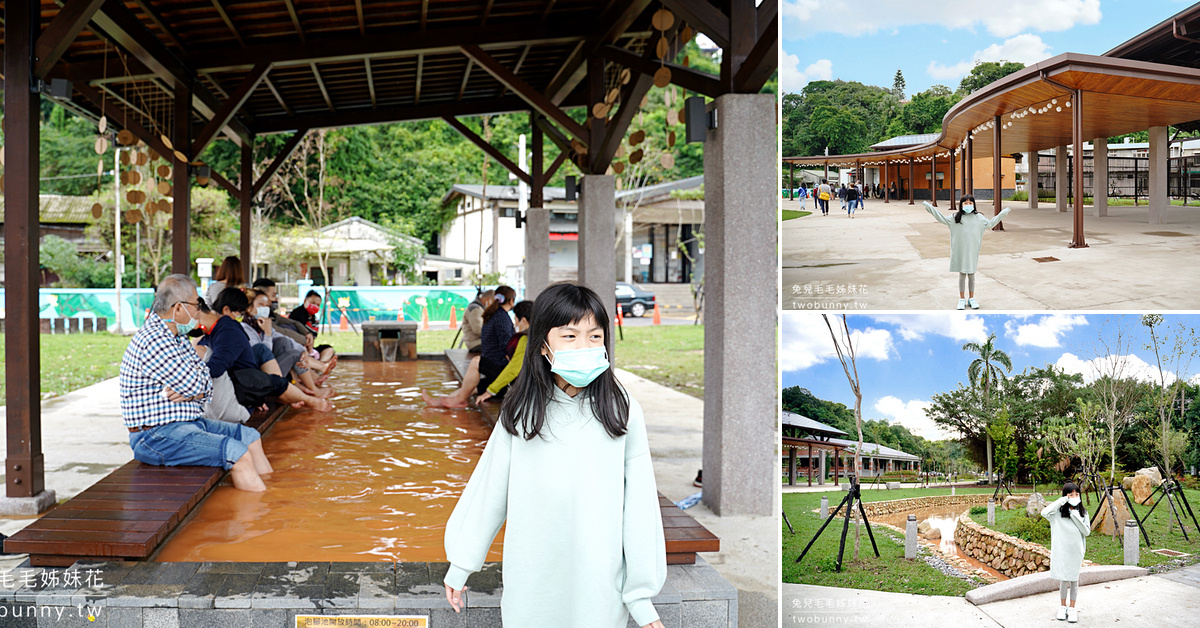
(202,180)
(687,62)
(133,216)
(619,167)
(663,19)
(671,138)
(613,95)
(662,77)
(101,145)
(166,142)
(97,210)
(180,156)
(662,48)
(142,159)
(686,34)
(600,110)
(672,117)
(164,188)
(637,138)
(154,155)
(645,100)
(625,75)
(102,125)
(636,156)
(1,155)
(164,171)
(668,160)
(620,151)
(125,137)
(125,158)
(170,223)
(99,167)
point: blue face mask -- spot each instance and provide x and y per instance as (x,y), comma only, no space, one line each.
(968,208)
(181,328)
(263,312)
(579,367)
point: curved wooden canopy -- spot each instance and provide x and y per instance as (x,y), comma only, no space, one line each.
(1118,95)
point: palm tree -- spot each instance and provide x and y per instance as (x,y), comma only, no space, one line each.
(984,372)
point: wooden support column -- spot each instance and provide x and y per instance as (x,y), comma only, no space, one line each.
(953,199)
(969,183)
(827,172)
(1077,239)
(886,193)
(911,181)
(933,179)
(792,466)
(595,126)
(24,472)
(181,215)
(246,196)
(997,183)
(791,181)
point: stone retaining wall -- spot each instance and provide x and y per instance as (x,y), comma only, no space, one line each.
(932,501)
(1008,555)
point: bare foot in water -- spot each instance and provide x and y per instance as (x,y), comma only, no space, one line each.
(298,405)
(446,401)
(324,393)
(432,402)
(321,405)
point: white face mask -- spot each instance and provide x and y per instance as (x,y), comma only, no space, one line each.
(1074,501)
(968,208)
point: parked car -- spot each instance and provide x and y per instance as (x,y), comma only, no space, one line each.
(634,301)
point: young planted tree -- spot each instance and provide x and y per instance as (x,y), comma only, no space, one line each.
(1175,347)
(843,344)
(1117,392)
(984,373)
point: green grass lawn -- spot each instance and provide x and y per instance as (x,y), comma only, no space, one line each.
(1142,201)
(1104,550)
(73,361)
(890,572)
(789,214)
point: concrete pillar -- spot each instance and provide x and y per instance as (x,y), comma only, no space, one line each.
(821,478)
(991,512)
(910,537)
(537,251)
(1031,158)
(1060,178)
(953,489)
(1100,176)
(792,466)
(740,301)
(1131,542)
(1159,149)
(824,508)
(598,238)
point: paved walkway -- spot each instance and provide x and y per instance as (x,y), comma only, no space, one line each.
(84,440)
(901,255)
(1167,600)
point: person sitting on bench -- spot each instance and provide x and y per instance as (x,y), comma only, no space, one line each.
(164,385)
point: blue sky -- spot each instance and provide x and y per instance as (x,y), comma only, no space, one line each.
(935,42)
(904,359)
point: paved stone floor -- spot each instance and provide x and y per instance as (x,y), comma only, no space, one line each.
(901,256)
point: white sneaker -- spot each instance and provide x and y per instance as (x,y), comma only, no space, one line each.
(962,304)
(1062,613)
(1072,615)
(973,303)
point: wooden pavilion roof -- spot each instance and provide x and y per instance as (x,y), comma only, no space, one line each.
(1119,96)
(257,67)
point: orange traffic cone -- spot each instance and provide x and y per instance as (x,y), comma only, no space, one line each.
(453,318)
(620,318)
(657,318)
(400,315)
(424,318)
(345,324)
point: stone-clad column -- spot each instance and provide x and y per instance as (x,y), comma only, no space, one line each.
(1100,176)
(1060,178)
(537,222)
(598,238)
(1159,150)
(741,303)
(1032,159)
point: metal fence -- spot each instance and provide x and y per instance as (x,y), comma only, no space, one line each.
(1128,177)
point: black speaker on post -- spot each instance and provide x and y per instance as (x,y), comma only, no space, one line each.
(695,118)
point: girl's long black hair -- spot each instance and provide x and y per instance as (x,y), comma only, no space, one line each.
(958,216)
(523,412)
(509,297)
(1065,509)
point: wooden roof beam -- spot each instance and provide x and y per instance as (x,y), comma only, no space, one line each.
(278,96)
(291,7)
(762,61)
(466,77)
(321,84)
(61,33)
(370,82)
(420,72)
(265,125)
(517,67)
(554,135)
(161,23)
(556,164)
(534,98)
(704,17)
(687,78)
(284,153)
(358,11)
(491,151)
(231,107)
(615,20)
(228,22)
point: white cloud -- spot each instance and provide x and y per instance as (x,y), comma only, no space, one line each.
(806,342)
(959,327)
(1135,367)
(1046,332)
(867,17)
(1027,49)
(911,414)
(792,79)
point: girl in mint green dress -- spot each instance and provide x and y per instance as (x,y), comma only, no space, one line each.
(568,469)
(966,236)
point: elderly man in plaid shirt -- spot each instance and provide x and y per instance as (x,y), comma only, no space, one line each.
(164,385)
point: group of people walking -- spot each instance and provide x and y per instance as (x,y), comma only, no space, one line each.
(851,196)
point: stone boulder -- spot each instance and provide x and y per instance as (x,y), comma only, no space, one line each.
(1153,474)
(1127,483)
(1103,522)
(923,528)
(933,534)
(1012,501)
(1035,504)
(1143,488)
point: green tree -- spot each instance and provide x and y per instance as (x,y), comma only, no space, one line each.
(898,85)
(984,372)
(924,113)
(985,73)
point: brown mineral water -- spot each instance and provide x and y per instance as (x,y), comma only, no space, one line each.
(374,480)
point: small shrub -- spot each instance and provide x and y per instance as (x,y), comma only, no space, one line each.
(978,510)
(1033,529)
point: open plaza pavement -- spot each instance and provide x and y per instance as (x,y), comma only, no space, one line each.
(901,257)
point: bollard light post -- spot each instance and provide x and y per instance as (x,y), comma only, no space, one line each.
(910,537)
(991,512)
(824,508)
(1131,542)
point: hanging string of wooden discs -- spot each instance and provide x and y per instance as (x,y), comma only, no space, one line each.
(101,145)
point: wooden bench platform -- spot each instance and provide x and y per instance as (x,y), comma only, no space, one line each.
(684,535)
(126,515)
